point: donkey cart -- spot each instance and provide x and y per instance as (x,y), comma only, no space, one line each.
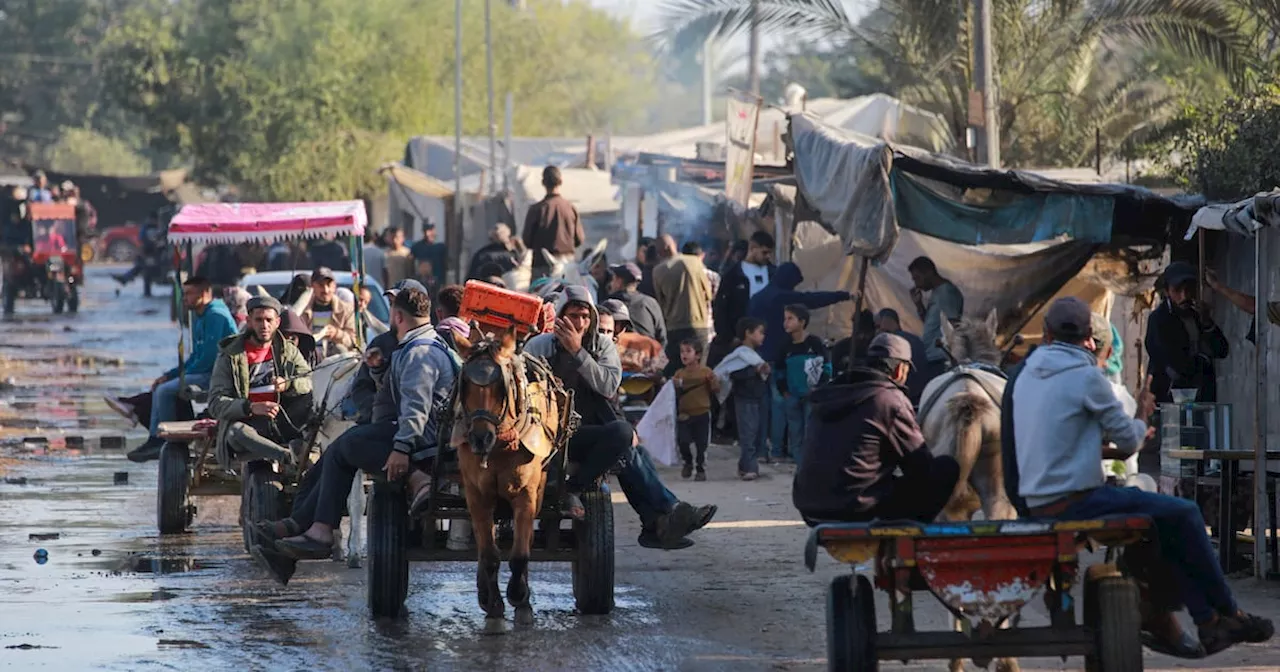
(984,573)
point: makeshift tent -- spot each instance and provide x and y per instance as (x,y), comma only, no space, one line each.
(1248,218)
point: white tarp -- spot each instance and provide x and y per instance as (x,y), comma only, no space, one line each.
(984,273)
(657,429)
(1242,218)
(845,177)
(742,112)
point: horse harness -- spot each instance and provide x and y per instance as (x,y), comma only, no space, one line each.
(965,372)
(519,411)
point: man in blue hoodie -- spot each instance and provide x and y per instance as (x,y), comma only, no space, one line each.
(769,304)
(1064,410)
(211,322)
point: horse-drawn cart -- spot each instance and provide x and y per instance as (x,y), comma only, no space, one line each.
(395,538)
(188,466)
(984,573)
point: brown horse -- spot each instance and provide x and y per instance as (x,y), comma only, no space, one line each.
(510,413)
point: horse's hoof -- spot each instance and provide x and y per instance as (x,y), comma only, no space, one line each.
(956,666)
(353,561)
(1007,665)
(495,626)
(524,615)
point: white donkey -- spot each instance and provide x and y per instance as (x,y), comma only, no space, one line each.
(562,269)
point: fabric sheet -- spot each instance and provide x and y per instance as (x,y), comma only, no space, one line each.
(657,429)
(1040,271)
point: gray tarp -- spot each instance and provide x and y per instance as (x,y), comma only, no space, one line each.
(1242,218)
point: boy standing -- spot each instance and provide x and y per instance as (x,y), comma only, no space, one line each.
(694,385)
(803,363)
(749,375)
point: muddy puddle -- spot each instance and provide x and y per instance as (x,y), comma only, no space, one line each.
(96,588)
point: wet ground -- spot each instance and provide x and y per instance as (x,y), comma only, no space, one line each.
(109,593)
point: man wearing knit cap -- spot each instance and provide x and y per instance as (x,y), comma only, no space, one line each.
(1064,411)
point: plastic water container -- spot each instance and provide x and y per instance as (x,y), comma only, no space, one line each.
(497,308)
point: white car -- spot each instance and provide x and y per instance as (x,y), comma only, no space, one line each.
(276,282)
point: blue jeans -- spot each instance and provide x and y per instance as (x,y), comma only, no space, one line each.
(752,416)
(1184,544)
(777,414)
(644,489)
(164,401)
(796,411)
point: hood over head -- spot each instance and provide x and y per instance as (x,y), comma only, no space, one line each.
(292,324)
(788,276)
(580,294)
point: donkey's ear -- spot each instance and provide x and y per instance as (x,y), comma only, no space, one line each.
(993,321)
(509,336)
(947,328)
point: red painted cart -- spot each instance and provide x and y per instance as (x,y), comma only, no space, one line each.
(984,573)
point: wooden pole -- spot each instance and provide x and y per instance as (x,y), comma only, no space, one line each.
(865,263)
(1261,510)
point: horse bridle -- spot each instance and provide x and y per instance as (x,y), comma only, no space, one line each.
(515,405)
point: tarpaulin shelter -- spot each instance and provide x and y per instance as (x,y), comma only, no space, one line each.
(1256,218)
(986,229)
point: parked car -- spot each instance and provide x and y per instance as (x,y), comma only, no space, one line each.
(120,243)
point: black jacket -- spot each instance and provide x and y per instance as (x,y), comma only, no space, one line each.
(646,315)
(731,301)
(494,253)
(860,433)
(1173,361)
(365,387)
(1008,449)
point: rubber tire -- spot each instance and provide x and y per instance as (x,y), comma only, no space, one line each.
(172,504)
(593,561)
(1111,611)
(851,625)
(73,299)
(122,250)
(387,528)
(59,298)
(261,497)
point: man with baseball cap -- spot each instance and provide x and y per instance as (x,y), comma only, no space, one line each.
(646,315)
(332,319)
(1182,339)
(1064,410)
(864,429)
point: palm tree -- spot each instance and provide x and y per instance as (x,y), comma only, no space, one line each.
(1064,67)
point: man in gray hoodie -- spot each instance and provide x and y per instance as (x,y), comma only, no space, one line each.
(586,361)
(402,432)
(1064,409)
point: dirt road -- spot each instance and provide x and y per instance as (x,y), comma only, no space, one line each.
(110,594)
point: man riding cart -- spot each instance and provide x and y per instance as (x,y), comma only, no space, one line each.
(260,389)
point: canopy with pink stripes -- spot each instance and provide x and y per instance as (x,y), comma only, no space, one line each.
(266,222)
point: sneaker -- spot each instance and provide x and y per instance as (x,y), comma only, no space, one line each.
(124,408)
(649,539)
(701,476)
(676,525)
(687,471)
(1231,630)
(750,476)
(150,450)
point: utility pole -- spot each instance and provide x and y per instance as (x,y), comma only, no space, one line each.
(988,136)
(493,129)
(458,211)
(753,50)
(707,77)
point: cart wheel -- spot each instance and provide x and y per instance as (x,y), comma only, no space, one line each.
(851,625)
(1111,611)
(387,520)
(594,556)
(172,510)
(260,495)
(73,299)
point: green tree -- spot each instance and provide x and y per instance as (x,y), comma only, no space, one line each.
(1225,149)
(80,150)
(1065,68)
(302,99)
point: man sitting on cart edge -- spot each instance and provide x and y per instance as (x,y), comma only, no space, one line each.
(1064,409)
(260,391)
(211,322)
(854,481)
(586,361)
(402,432)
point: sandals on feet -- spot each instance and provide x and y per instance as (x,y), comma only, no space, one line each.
(1187,647)
(572,507)
(303,547)
(280,566)
(264,531)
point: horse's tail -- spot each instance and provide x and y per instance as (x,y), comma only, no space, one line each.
(965,412)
